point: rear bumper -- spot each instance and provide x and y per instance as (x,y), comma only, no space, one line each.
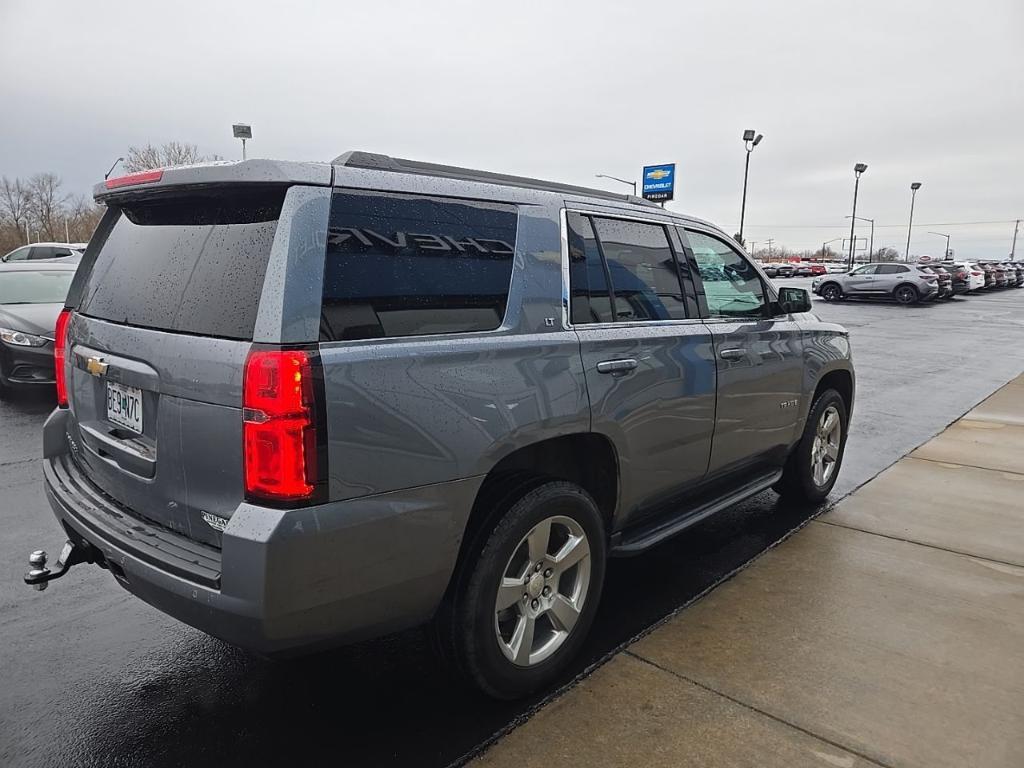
(26,365)
(284,581)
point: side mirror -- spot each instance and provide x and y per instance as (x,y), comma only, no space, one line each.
(794,300)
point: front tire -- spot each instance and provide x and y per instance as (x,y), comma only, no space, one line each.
(831,292)
(522,604)
(813,467)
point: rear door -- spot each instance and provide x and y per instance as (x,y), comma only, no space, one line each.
(165,309)
(646,355)
(759,359)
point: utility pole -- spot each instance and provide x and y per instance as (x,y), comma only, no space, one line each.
(770,241)
(1013,249)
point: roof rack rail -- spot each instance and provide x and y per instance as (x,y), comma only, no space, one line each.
(377,162)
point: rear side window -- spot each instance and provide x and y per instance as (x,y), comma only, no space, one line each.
(409,265)
(621,271)
(644,277)
(186,264)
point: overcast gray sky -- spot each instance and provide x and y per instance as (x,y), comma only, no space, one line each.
(920,91)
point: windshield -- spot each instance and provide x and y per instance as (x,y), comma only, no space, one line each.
(35,287)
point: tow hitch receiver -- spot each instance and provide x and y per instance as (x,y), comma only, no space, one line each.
(71,554)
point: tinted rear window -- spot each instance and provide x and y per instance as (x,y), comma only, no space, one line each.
(189,265)
(407,265)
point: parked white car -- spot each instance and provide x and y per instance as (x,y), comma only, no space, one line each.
(45,252)
(975,272)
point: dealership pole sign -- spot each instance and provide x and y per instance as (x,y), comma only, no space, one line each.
(659,182)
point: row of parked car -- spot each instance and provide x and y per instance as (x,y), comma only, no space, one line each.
(913,283)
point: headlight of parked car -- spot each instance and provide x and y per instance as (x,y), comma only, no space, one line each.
(21,339)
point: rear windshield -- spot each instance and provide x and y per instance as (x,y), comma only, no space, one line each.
(406,265)
(49,287)
(186,264)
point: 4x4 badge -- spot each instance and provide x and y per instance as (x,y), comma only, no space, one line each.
(97,366)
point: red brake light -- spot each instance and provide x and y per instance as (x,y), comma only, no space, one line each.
(143,177)
(60,338)
(279,425)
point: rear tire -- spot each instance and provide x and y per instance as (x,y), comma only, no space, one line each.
(906,295)
(536,578)
(814,465)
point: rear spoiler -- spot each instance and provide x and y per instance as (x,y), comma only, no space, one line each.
(219,172)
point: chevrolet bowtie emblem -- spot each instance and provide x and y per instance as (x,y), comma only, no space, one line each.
(96,366)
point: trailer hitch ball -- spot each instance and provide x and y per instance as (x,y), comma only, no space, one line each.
(38,570)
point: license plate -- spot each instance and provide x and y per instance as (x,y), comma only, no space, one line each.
(124,406)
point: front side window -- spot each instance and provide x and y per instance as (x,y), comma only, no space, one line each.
(867,269)
(732,286)
(21,254)
(408,265)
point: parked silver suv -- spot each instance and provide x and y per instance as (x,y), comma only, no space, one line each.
(902,282)
(305,404)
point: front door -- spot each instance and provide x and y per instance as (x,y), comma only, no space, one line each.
(861,280)
(759,359)
(647,357)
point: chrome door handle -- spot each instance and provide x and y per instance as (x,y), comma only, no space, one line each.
(732,354)
(616,366)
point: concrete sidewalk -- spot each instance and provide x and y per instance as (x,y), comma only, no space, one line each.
(889,631)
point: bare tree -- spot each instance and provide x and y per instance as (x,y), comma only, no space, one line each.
(15,204)
(886,254)
(46,204)
(165,156)
(83,216)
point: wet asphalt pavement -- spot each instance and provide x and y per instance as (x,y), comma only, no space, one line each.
(90,676)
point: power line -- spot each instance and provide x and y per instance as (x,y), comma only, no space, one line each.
(932,224)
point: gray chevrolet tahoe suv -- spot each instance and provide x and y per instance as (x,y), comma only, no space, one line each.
(306,404)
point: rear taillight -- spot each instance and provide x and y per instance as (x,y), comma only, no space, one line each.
(279,425)
(60,340)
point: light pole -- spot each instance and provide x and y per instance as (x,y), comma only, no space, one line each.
(943,234)
(616,178)
(1013,248)
(826,244)
(749,142)
(107,174)
(858,169)
(871,247)
(910,227)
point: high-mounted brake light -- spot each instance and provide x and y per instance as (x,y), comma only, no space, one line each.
(279,425)
(60,340)
(143,177)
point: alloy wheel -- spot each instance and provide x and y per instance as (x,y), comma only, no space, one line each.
(825,449)
(542,591)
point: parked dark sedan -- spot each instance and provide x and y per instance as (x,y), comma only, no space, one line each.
(31,297)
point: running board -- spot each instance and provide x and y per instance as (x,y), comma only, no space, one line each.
(647,534)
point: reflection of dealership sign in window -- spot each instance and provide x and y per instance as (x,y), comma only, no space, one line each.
(406,265)
(659,181)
